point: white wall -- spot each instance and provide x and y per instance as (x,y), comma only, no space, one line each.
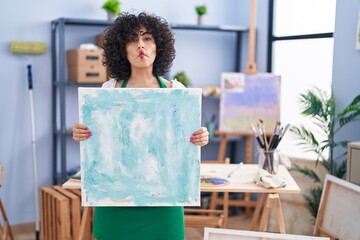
(202,56)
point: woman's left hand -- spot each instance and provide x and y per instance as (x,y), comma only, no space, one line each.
(200,137)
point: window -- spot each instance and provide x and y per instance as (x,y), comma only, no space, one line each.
(301,51)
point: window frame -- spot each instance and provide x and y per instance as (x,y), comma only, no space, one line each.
(272,38)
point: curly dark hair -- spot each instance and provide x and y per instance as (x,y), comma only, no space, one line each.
(124,28)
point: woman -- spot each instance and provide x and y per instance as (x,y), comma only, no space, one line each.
(137,51)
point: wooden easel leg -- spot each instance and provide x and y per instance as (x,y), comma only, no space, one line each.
(272,199)
(7,228)
(213,200)
(247,200)
(248,160)
(259,205)
(222,149)
(279,213)
(266,212)
(226,209)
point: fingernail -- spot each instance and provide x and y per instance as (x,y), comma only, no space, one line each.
(86,128)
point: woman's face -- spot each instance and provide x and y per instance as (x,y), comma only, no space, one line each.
(141,50)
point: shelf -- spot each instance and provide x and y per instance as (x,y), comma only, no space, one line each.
(82,22)
(221,28)
(68,132)
(104,23)
(216,139)
(74,84)
(215,97)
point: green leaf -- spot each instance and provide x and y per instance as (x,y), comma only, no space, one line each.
(350,112)
(201,10)
(112,6)
(307,172)
(341,170)
(313,199)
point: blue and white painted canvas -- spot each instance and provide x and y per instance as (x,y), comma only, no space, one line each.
(139,153)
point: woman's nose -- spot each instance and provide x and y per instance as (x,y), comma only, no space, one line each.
(140,44)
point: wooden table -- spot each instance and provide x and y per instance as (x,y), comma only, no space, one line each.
(241,181)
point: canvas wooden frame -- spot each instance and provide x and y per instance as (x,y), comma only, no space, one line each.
(229,234)
(139,153)
(339,210)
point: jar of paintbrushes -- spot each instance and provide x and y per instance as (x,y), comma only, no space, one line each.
(267,151)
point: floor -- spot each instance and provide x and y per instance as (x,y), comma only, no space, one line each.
(27,232)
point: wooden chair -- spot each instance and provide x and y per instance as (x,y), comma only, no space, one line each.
(200,218)
(5,230)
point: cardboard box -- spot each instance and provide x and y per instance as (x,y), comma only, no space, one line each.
(87,73)
(99,40)
(85,66)
(84,57)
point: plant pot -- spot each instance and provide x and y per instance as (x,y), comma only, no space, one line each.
(111,16)
(201,19)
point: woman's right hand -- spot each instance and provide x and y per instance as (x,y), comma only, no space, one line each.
(80,132)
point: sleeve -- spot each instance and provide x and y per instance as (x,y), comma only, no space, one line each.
(109,84)
(177,84)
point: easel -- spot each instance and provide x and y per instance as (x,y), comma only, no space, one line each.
(249,137)
(5,231)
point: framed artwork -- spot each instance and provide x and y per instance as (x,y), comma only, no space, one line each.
(246,98)
(139,153)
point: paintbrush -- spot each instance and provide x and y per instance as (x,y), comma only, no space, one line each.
(235,170)
(282,134)
(262,127)
(275,137)
(257,136)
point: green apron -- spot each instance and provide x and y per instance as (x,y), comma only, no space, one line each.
(139,223)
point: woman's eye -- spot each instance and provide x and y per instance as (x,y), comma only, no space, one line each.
(147,38)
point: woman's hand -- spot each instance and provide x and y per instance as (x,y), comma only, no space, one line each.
(200,137)
(80,132)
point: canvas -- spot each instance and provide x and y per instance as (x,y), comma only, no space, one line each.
(139,153)
(246,98)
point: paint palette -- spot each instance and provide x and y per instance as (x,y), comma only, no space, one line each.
(212,181)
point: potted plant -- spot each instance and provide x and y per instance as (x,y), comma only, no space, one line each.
(112,7)
(320,107)
(201,10)
(183,78)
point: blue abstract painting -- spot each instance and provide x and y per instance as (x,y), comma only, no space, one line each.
(139,153)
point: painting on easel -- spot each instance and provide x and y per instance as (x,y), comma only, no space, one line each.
(246,98)
(139,153)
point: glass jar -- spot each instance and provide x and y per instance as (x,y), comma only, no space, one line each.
(269,160)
